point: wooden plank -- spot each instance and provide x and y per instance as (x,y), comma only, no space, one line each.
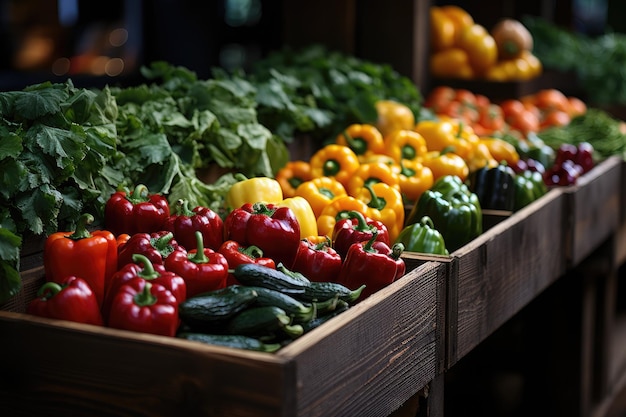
(497,274)
(595,208)
(374,357)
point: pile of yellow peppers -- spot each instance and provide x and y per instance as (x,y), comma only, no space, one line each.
(378,174)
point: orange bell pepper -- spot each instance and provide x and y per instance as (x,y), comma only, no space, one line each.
(319,192)
(91,256)
(405,144)
(446,163)
(335,161)
(327,219)
(292,175)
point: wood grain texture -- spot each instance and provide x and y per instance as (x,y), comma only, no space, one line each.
(497,274)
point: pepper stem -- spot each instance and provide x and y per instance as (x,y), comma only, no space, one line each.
(331,167)
(408,152)
(198,257)
(148,271)
(361,226)
(406,171)
(375,201)
(368,246)
(252,251)
(396,250)
(358,145)
(145,297)
(139,194)
(81,231)
(49,290)
(182,208)
(261,208)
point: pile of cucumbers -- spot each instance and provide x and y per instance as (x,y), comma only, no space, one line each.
(267,310)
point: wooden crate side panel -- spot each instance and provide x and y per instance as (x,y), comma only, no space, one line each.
(377,355)
(59,368)
(503,270)
(595,208)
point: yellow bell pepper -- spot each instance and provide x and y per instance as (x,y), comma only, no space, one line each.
(253,190)
(328,218)
(376,157)
(304,213)
(501,150)
(441,134)
(405,144)
(335,161)
(319,192)
(445,163)
(480,46)
(451,63)
(292,175)
(372,173)
(481,158)
(384,203)
(393,116)
(363,139)
(415,178)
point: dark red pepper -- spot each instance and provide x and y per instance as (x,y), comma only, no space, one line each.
(141,267)
(237,254)
(133,212)
(373,264)
(272,228)
(72,299)
(203,269)
(571,162)
(352,227)
(155,246)
(184,222)
(318,261)
(143,306)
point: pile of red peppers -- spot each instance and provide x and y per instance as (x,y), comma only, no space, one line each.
(571,161)
(150,258)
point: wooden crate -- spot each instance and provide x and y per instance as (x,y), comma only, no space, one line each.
(497,274)
(368,362)
(594,205)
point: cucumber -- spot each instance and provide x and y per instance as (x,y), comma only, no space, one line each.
(262,276)
(232,341)
(318,321)
(318,291)
(211,310)
(298,311)
(263,321)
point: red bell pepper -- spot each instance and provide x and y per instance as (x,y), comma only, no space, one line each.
(91,256)
(372,263)
(155,246)
(72,299)
(184,223)
(133,212)
(272,228)
(353,227)
(141,267)
(236,254)
(143,306)
(317,260)
(203,269)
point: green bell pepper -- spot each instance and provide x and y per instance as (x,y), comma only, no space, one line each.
(495,187)
(422,237)
(455,211)
(529,186)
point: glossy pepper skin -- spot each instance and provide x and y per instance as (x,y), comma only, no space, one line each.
(335,161)
(454,210)
(253,190)
(353,227)
(495,187)
(133,212)
(370,173)
(141,267)
(385,204)
(319,192)
(184,223)
(373,264)
(202,269)
(529,186)
(422,237)
(363,139)
(304,213)
(237,254)
(317,260)
(272,228)
(292,175)
(445,162)
(328,218)
(405,144)
(415,178)
(392,116)
(91,256)
(155,246)
(72,299)
(143,306)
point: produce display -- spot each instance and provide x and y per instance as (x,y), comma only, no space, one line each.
(273,247)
